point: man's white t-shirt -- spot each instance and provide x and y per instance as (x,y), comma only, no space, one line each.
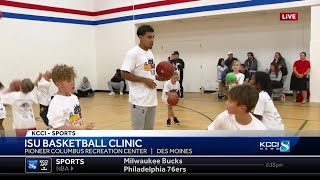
(44,96)
(22,112)
(270,115)
(64,110)
(226,121)
(169,87)
(141,63)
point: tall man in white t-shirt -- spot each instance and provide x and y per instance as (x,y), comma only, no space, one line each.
(139,69)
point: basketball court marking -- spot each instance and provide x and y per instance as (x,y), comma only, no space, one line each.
(197,112)
(303,125)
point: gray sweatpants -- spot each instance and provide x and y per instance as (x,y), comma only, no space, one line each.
(115,85)
(142,118)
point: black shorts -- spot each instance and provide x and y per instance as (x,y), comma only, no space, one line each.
(298,84)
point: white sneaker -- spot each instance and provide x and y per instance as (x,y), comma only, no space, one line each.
(112,93)
(121,93)
(304,101)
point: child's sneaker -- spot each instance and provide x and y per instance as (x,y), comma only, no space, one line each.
(168,122)
(176,121)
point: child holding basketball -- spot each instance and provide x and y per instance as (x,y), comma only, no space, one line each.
(241,100)
(3,113)
(43,95)
(21,102)
(64,111)
(239,76)
(171,86)
(265,109)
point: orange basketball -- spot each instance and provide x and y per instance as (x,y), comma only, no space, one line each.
(173,99)
(15,85)
(165,70)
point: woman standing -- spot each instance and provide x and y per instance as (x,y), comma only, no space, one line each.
(299,77)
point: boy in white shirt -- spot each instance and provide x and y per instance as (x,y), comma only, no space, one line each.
(241,100)
(43,83)
(265,109)
(64,111)
(21,102)
(171,86)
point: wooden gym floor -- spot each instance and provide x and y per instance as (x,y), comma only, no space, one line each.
(195,112)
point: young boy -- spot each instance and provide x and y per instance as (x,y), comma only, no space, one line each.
(241,100)
(246,73)
(64,111)
(44,97)
(171,86)
(21,102)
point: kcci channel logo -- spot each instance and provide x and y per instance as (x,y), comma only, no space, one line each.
(282,146)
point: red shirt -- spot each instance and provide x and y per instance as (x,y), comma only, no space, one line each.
(301,66)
